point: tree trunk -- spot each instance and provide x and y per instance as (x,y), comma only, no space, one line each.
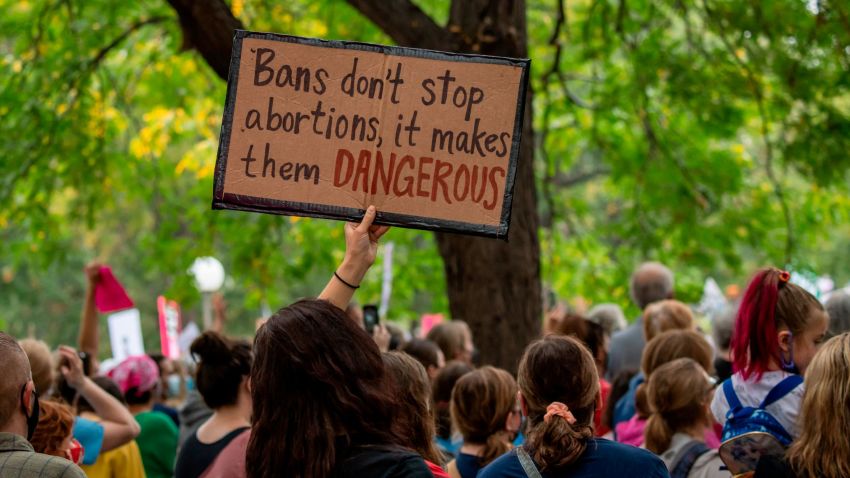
(492,285)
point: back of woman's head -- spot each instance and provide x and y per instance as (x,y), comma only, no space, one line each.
(666,315)
(41,364)
(771,303)
(678,393)
(558,369)
(412,391)
(55,424)
(667,347)
(442,394)
(482,401)
(423,350)
(822,449)
(317,376)
(223,365)
(450,337)
(591,334)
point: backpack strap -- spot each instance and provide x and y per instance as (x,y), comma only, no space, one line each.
(687,458)
(527,463)
(731,397)
(786,386)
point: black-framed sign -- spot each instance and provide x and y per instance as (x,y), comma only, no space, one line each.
(325,128)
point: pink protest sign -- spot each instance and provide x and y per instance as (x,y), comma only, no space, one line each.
(169,327)
(109,294)
(429,321)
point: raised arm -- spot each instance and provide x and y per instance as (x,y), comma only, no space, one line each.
(89,332)
(119,426)
(361,249)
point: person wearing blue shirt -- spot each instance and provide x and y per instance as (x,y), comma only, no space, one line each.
(559,391)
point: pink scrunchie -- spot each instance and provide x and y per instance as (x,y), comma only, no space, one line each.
(558,409)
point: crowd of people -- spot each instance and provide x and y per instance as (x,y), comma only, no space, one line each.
(765,393)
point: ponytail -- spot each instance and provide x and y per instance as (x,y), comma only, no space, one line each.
(677,396)
(559,441)
(496,445)
(657,434)
(770,302)
(558,381)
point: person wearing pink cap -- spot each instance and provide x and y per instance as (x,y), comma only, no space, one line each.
(138,379)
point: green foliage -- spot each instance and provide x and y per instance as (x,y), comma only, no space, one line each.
(711,135)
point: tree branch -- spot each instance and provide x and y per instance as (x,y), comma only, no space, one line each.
(208,27)
(404,22)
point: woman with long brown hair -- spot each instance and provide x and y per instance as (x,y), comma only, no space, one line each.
(822,450)
(679,395)
(559,393)
(412,390)
(323,405)
(484,410)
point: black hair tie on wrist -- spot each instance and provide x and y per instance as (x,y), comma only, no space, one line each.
(355,287)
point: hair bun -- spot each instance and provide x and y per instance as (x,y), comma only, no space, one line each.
(211,348)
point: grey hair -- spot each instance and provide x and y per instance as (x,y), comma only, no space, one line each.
(651,282)
(723,326)
(838,308)
(609,316)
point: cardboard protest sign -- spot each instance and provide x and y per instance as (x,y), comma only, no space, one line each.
(169,327)
(326,128)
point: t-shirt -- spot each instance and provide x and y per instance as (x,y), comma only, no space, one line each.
(195,456)
(601,458)
(380,461)
(90,435)
(157,444)
(707,465)
(467,465)
(436,470)
(171,412)
(122,462)
(752,392)
(230,463)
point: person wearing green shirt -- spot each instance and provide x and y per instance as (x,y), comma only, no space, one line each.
(138,378)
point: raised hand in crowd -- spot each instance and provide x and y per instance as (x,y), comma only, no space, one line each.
(89,338)
(361,249)
(119,426)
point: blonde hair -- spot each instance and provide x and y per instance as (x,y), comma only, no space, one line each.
(482,401)
(667,347)
(558,369)
(41,363)
(666,315)
(822,449)
(677,393)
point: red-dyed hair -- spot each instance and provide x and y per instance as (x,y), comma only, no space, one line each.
(770,304)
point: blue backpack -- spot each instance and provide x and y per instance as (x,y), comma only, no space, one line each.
(752,432)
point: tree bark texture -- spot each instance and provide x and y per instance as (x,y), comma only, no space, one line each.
(493,285)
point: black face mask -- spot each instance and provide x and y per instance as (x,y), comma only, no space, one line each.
(32,418)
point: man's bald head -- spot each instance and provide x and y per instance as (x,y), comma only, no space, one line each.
(16,372)
(651,282)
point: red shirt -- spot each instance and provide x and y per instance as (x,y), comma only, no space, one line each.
(605,387)
(436,470)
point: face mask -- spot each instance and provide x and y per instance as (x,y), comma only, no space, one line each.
(32,418)
(173,382)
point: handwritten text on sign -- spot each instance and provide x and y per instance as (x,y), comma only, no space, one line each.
(430,140)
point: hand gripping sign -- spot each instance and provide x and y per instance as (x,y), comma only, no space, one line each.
(326,128)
